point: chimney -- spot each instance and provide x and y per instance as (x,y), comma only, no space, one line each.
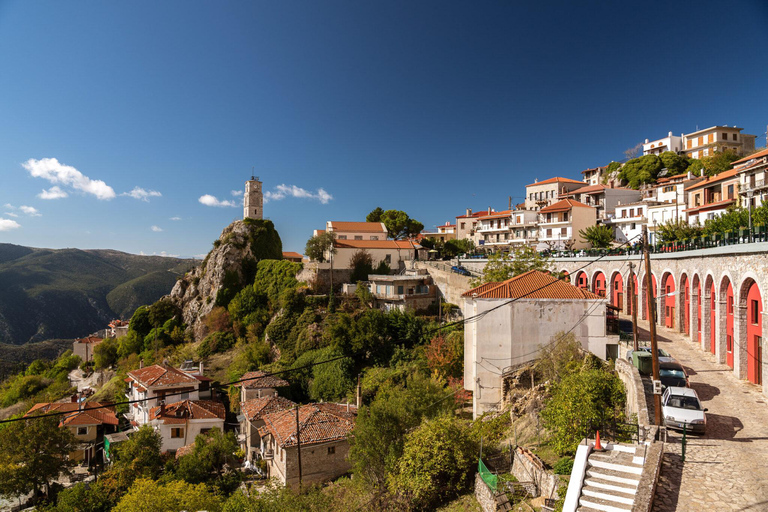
(689,175)
(469,212)
(141,364)
(669,134)
(359,398)
(201,368)
(647,141)
(489,210)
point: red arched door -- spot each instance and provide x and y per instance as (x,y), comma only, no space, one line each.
(698,308)
(600,284)
(618,292)
(581,281)
(653,297)
(669,302)
(712,319)
(754,335)
(635,291)
(729,325)
(686,306)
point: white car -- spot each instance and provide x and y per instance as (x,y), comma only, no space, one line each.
(681,408)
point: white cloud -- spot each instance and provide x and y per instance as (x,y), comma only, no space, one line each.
(156,229)
(236,193)
(12,214)
(8,224)
(283,191)
(209,200)
(31,211)
(52,193)
(141,194)
(175,218)
(52,170)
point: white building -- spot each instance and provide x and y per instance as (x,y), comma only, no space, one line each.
(752,172)
(629,221)
(513,332)
(181,422)
(560,224)
(671,143)
(717,139)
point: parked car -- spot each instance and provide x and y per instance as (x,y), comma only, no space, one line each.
(460,270)
(664,356)
(672,374)
(681,408)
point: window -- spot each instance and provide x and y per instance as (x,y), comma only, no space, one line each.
(730,191)
(331,450)
(388,258)
(82,431)
(342,237)
(631,212)
(177,433)
(565,216)
(373,237)
(735,136)
(358,237)
(563,231)
(549,233)
(399,290)
(633,226)
(549,217)
(754,316)
(724,136)
(462,227)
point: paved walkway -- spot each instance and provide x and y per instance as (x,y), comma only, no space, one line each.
(727,468)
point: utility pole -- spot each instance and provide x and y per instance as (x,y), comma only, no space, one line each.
(633,305)
(652,327)
(298,444)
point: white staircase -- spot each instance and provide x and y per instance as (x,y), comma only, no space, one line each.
(611,478)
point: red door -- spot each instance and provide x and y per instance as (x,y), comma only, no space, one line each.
(581,281)
(729,326)
(754,335)
(669,303)
(712,319)
(600,284)
(686,307)
(618,292)
(698,307)
(655,294)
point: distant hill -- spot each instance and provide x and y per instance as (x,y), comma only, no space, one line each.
(68,293)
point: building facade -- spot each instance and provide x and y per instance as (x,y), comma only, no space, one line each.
(541,194)
(560,223)
(712,197)
(412,291)
(752,172)
(253,201)
(717,139)
(671,143)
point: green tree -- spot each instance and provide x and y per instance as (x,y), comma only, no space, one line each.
(399,225)
(206,462)
(599,236)
(32,453)
(437,463)
(675,164)
(452,248)
(362,265)
(718,162)
(696,167)
(672,231)
(318,245)
(149,496)
(139,456)
(639,171)
(500,268)
(375,215)
(105,353)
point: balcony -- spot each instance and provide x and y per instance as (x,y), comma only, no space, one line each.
(488,229)
(268,455)
(753,185)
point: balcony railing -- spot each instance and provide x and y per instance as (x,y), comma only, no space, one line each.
(754,185)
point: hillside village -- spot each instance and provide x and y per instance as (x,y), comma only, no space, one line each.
(410,359)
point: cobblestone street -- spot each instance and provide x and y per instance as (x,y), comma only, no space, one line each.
(726,468)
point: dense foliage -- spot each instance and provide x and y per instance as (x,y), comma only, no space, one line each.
(501,267)
(598,236)
(672,231)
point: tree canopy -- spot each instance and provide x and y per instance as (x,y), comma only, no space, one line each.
(399,225)
(500,267)
(318,245)
(599,236)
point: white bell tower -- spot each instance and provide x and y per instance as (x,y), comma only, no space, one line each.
(253,203)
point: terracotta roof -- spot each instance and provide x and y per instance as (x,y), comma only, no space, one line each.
(88,416)
(318,423)
(759,154)
(320,231)
(711,206)
(480,289)
(89,339)
(504,213)
(258,407)
(161,375)
(179,412)
(535,285)
(554,180)
(564,205)
(118,323)
(260,379)
(731,173)
(585,171)
(375,244)
(359,227)
(473,214)
(292,255)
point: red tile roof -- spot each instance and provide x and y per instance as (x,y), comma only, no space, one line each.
(554,180)
(179,412)
(480,289)
(710,206)
(359,227)
(759,154)
(731,173)
(532,285)
(89,339)
(161,375)
(318,423)
(291,254)
(563,206)
(375,244)
(258,407)
(259,379)
(473,214)
(504,213)
(88,416)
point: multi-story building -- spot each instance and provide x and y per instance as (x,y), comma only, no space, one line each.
(671,143)
(717,139)
(466,225)
(355,230)
(594,176)
(493,229)
(752,172)
(560,223)
(604,198)
(179,423)
(712,196)
(445,232)
(413,291)
(629,221)
(524,228)
(544,193)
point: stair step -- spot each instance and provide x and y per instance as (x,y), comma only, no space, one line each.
(635,470)
(607,497)
(603,507)
(612,478)
(592,482)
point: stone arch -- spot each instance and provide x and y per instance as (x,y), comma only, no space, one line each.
(566,275)
(709,312)
(684,315)
(599,283)
(644,294)
(635,291)
(749,345)
(617,290)
(697,318)
(582,281)
(726,318)
(667,303)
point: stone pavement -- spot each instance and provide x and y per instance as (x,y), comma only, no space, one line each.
(726,468)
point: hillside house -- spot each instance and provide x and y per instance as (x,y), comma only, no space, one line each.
(413,291)
(522,315)
(560,223)
(752,172)
(323,430)
(541,194)
(444,233)
(717,139)
(396,253)
(251,420)
(84,347)
(293,257)
(605,199)
(257,384)
(180,423)
(711,197)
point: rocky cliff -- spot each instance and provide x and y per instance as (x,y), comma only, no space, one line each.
(229,266)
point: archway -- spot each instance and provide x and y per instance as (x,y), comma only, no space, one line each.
(712,315)
(697,291)
(617,291)
(582,281)
(752,302)
(598,283)
(685,299)
(727,289)
(644,308)
(636,292)
(668,286)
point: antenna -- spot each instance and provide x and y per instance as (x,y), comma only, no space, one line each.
(253,172)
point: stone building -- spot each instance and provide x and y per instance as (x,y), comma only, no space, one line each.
(413,291)
(84,347)
(251,420)
(253,202)
(181,422)
(257,384)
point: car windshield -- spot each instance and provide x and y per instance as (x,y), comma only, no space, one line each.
(684,402)
(663,353)
(670,372)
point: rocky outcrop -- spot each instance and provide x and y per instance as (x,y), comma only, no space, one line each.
(227,268)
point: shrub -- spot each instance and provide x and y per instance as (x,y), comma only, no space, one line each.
(563,466)
(216,342)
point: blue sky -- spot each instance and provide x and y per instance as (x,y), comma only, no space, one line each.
(428,107)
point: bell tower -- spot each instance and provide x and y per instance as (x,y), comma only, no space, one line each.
(253,203)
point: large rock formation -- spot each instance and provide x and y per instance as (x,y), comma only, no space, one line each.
(229,266)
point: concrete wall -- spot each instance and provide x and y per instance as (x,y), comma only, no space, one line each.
(191,430)
(450,284)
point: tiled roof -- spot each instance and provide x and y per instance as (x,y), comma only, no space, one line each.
(504,213)
(179,412)
(161,375)
(359,227)
(480,289)
(554,180)
(259,379)
(375,244)
(563,206)
(90,415)
(731,173)
(535,285)
(292,255)
(473,214)
(89,339)
(711,206)
(746,159)
(258,407)
(318,423)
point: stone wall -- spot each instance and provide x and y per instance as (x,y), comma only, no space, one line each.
(318,277)
(636,402)
(484,495)
(450,284)
(527,467)
(646,489)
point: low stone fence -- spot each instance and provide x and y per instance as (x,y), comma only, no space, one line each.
(484,495)
(636,403)
(528,467)
(646,489)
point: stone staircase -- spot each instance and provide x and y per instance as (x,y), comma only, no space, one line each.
(611,478)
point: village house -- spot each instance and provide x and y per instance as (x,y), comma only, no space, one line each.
(605,199)
(671,143)
(323,430)
(629,220)
(712,197)
(752,172)
(717,139)
(594,176)
(355,230)
(396,253)
(179,423)
(560,223)
(541,194)
(250,418)
(293,257)
(466,225)
(493,230)
(444,233)
(118,328)
(257,384)
(524,228)
(412,291)
(520,317)
(84,347)
(89,422)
